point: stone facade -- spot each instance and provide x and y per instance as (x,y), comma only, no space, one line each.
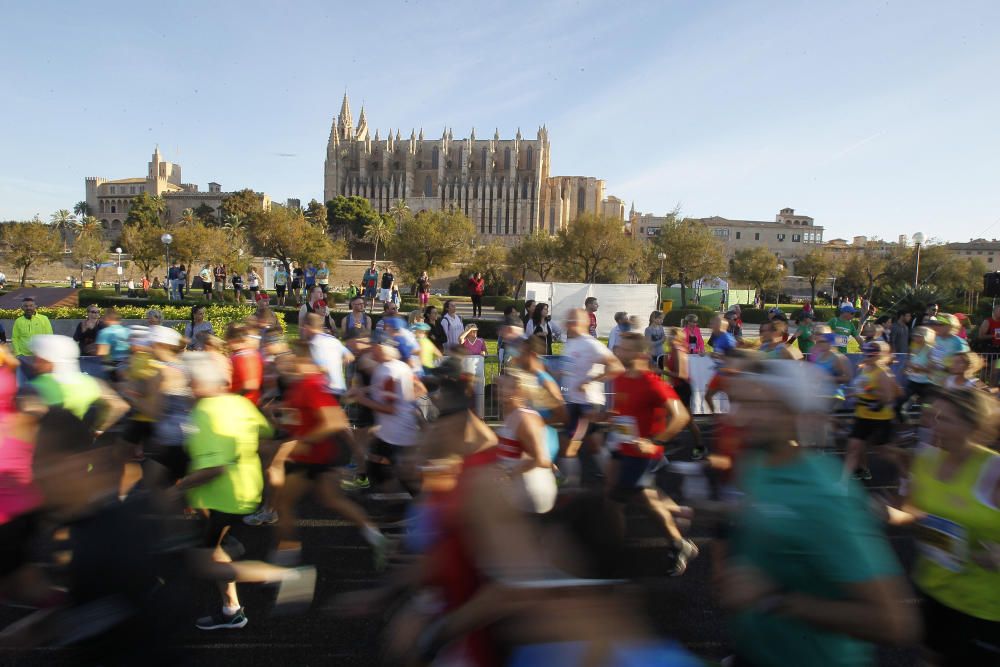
(109,200)
(790,235)
(502,185)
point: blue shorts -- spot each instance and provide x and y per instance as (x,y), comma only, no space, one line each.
(574,412)
(634,474)
(369,292)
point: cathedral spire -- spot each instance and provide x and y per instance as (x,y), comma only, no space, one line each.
(472,136)
(496,134)
(362,130)
(344,122)
(421,137)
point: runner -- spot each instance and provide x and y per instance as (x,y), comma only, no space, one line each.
(808,578)
(649,415)
(112,343)
(328,353)
(954,502)
(875,392)
(677,370)
(721,340)
(548,401)
(947,342)
(320,446)
(845,328)
(522,449)
(772,340)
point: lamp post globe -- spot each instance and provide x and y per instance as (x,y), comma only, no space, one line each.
(918,240)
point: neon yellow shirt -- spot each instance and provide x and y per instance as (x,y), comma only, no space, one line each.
(75,393)
(24,330)
(960,521)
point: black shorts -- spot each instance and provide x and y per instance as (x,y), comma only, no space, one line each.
(218,524)
(380,472)
(279,290)
(325,288)
(634,474)
(173,458)
(296,285)
(872,431)
(206,288)
(683,389)
(960,639)
(311,471)
(138,432)
(16,537)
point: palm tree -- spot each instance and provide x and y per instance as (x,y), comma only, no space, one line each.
(187,217)
(377,232)
(89,225)
(63,220)
(398,211)
(234,225)
(82,209)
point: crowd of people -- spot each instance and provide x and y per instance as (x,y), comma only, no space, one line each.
(514,536)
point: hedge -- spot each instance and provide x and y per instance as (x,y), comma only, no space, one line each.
(219,316)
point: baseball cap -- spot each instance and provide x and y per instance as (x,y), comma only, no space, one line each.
(395,322)
(164,336)
(847,308)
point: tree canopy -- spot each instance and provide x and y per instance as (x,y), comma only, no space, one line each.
(431,240)
(347,218)
(143,244)
(757,267)
(88,252)
(146,209)
(691,253)
(26,243)
(814,266)
(242,204)
(287,235)
(539,253)
(594,248)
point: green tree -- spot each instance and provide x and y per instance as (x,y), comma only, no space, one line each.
(89,251)
(26,243)
(187,217)
(65,222)
(596,249)
(347,217)
(377,232)
(316,213)
(814,266)
(399,211)
(431,240)
(241,204)
(691,252)
(206,214)
(143,244)
(146,209)
(539,253)
(756,266)
(287,236)
(489,259)
(89,225)
(81,209)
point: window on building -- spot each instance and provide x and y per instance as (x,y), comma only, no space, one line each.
(989,260)
(581,200)
(434,158)
(756,236)
(796,238)
(428,191)
(529,157)
(642,230)
(781,237)
(111,189)
(738,234)
(721,233)
(506,158)
(114,209)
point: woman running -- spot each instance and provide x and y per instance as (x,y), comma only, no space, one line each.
(521,450)
(954,502)
(549,401)
(875,392)
(678,372)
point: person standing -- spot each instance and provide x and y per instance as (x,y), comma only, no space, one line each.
(280,283)
(529,308)
(172,272)
(590,305)
(357,323)
(423,288)
(388,282)
(452,325)
(30,324)
(476,287)
(471,343)
(989,331)
(369,283)
(323,277)
(298,280)
(899,334)
(87,330)
(541,326)
(219,282)
(437,334)
(253,280)
(182,277)
(198,329)
(621,326)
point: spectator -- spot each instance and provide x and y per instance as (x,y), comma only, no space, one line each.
(989,331)
(436,334)
(198,329)
(352,290)
(387,283)
(476,287)
(655,336)
(237,281)
(423,288)
(219,281)
(541,325)
(733,323)
(369,283)
(87,330)
(452,325)
(357,323)
(590,305)
(529,306)
(692,333)
(280,283)
(323,277)
(26,327)
(472,344)
(621,326)
(205,276)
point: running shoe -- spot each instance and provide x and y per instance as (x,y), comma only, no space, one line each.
(261,517)
(220,621)
(687,552)
(359,483)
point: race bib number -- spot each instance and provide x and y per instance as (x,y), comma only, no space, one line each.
(624,430)
(943,542)
(840,340)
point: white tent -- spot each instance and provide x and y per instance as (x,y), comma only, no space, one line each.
(638,300)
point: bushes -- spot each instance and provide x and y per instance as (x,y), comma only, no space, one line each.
(219,316)
(759,316)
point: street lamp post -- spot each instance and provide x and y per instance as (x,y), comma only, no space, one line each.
(662,256)
(167,239)
(118,283)
(918,240)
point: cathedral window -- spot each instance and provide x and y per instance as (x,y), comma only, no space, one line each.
(395,165)
(528,159)
(434,158)
(428,192)
(581,200)
(506,158)
(524,189)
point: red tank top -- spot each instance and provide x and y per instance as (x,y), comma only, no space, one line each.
(993,326)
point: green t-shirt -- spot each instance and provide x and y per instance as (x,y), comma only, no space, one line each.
(804,336)
(225,431)
(74,392)
(812,533)
(845,330)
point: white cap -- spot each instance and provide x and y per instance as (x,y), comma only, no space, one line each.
(61,351)
(164,336)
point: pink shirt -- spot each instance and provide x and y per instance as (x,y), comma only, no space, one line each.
(474,347)
(18,493)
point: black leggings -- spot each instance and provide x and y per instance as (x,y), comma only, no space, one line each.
(477,305)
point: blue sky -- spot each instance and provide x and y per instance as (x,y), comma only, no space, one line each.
(874,118)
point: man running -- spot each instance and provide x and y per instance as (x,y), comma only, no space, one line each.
(845,328)
(327,352)
(649,415)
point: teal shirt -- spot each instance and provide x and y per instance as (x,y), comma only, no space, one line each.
(116,338)
(812,533)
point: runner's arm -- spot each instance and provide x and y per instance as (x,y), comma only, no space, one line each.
(529,432)
(984,330)
(679,417)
